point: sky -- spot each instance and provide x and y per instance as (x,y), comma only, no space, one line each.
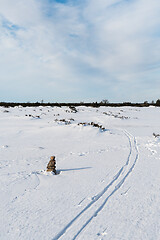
(79,50)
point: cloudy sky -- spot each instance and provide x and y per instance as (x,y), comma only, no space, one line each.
(79,50)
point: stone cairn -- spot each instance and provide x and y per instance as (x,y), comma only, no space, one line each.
(51,167)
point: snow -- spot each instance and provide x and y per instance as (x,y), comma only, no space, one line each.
(107,182)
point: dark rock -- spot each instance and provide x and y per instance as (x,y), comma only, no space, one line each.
(51,167)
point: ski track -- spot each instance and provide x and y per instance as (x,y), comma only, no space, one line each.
(102,196)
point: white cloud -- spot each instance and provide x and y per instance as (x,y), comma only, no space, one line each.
(73,46)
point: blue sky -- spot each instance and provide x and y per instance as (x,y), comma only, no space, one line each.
(72,50)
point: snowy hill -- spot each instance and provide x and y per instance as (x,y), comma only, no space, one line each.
(107,186)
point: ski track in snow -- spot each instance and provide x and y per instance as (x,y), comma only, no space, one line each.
(79,223)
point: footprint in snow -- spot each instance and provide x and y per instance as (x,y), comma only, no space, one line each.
(44,172)
(103,233)
(41,148)
(5,146)
(81,154)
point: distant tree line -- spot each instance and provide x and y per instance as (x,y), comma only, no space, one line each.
(93,104)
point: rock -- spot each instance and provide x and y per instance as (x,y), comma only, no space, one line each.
(51,167)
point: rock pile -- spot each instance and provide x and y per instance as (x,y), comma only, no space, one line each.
(93,124)
(156,135)
(73,109)
(51,167)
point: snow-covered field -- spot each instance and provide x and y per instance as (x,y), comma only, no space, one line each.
(108,181)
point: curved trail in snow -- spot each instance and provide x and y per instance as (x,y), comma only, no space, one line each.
(79,223)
